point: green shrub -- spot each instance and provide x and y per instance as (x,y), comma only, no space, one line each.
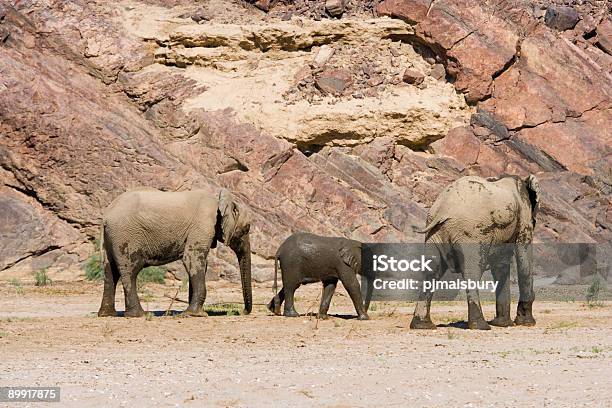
(592,295)
(93,265)
(93,268)
(154,274)
(41,277)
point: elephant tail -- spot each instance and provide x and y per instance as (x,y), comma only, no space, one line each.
(433,224)
(102,252)
(275,287)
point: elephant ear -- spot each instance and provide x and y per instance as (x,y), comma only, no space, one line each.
(533,189)
(348,255)
(233,217)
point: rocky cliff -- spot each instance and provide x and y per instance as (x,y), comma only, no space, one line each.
(337,117)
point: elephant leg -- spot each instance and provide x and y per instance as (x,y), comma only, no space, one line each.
(111,277)
(421,318)
(524,313)
(472,269)
(276,302)
(349,280)
(329,286)
(129,274)
(289,301)
(500,268)
(196,270)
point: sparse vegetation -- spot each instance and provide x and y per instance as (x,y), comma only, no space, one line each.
(18,286)
(564,325)
(373,306)
(93,265)
(153,274)
(41,278)
(227,309)
(593,291)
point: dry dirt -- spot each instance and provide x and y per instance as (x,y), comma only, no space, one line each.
(50,336)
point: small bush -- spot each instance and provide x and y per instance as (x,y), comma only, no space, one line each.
(154,274)
(41,278)
(592,295)
(93,268)
(18,286)
(93,265)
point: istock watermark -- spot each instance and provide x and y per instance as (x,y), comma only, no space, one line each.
(403,271)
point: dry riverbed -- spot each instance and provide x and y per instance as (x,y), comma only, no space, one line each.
(50,336)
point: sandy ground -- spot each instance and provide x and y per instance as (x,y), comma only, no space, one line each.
(50,336)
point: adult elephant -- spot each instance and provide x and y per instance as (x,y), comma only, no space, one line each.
(149,227)
(474,224)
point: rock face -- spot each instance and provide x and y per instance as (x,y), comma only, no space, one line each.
(97,98)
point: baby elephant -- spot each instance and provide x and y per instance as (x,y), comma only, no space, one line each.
(308,258)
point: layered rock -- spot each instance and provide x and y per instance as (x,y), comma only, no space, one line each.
(96,98)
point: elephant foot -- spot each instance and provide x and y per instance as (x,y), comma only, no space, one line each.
(193,313)
(135,312)
(363,316)
(478,324)
(422,324)
(291,313)
(524,315)
(524,321)
(107,312)
(323,316)
(274,306)
(501,322)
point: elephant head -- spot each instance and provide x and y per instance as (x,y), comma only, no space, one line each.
(233,226)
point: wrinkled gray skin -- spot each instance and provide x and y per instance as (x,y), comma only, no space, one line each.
(472,211)
(149,227)
(308,258)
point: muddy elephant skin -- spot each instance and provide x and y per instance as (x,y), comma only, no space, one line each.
(307,258)
(470,224)
(148,227)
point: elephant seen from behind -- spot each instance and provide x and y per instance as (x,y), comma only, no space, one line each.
(478,223)
(148,227)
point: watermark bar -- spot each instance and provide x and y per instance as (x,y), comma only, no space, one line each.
(29,394)
(400,272)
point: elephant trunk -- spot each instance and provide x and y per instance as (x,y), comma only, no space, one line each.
(243,252)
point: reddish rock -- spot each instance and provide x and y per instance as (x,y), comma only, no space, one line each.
(334,81)
(438,72)
(335,8)
(375,80)
(604,35)
(412,76)
(265,5)
(461,144)
(561,18)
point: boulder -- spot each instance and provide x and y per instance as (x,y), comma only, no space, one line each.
(323,55)
(334,81)
(438,72)
(335,8)
(561,18)
(412,76)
